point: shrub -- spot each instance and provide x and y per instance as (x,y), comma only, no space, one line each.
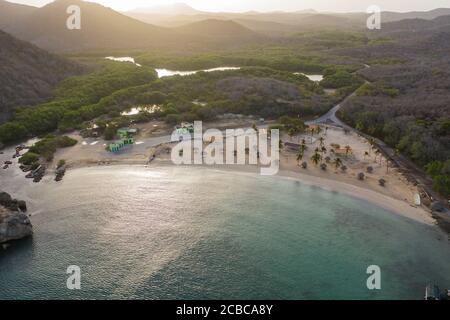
(47,147)
(61,163)
(29,158)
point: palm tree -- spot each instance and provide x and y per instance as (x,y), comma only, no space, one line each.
(316,158)
(366,154)
(372,144)
(322,141)
(299,157)
(381,158)
(291,133)
(337,163)
(303,147)
(318,130)
(323,150)
(377,153)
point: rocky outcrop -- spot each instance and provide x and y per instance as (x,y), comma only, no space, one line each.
(14,223)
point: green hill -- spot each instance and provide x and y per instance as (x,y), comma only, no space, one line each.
(28,74)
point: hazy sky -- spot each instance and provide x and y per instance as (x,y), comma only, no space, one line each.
(271,5)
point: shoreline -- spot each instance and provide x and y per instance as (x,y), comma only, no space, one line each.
(396,196)
(396,206)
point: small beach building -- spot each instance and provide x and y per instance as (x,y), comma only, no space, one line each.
(126,136)
(184,131)
(126,132)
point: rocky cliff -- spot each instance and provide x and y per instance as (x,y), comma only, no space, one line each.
(14,223)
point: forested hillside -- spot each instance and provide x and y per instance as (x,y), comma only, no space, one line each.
(77,99)
(407,102)
(28,74)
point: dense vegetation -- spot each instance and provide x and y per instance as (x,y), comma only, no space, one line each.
(337,78)
(285,58)
(258,91)
(46,148)
(406,102)
(105,93)
(77,99)
(440,171)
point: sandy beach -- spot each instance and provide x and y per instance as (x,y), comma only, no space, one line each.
(396,195)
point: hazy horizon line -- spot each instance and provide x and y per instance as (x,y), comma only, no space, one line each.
(225,12)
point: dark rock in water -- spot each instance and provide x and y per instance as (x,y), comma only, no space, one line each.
(14,224)
(60,172)
(5,199)
(8,202)
(438,206)
(26,168)
(37,174)
(22,205)
(13,205)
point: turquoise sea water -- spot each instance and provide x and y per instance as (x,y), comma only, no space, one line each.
(195,233)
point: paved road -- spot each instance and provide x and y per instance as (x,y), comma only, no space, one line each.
(330,117)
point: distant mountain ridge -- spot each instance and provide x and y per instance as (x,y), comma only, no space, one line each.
(217,28)
(284,22)
(171,9)
(412,28)
(10,13)
(175,26)
(105,29)
(101,28)
(427,15)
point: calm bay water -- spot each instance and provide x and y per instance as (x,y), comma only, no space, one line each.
(185,233)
